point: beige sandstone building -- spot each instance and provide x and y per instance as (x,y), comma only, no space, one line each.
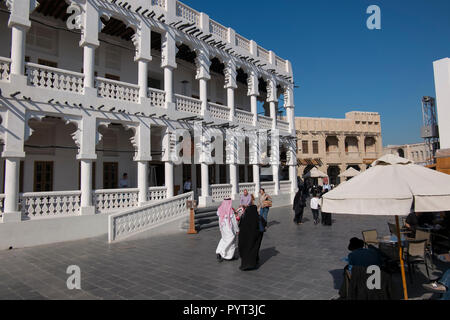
(418,152)
(334,145)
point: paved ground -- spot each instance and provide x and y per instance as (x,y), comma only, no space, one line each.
(298,262)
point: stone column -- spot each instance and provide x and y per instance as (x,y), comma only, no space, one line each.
(142,181)
(142,42)
(230,85)
(253,92)
(87,155)
(19,23)
(168,170)
(232,161)
(203,63)
(89,65)
(275,159)
(11,206)
(168,63)
(168,162)
(272,99)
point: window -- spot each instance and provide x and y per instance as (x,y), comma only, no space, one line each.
(43,176)
(110,175)
(305,146)
(315,145)
(42,38)
(154,83)
(113,58)
(47,63)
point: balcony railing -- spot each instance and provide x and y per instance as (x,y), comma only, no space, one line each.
(189,105)
(218,30)
(265,122)
(188,13)
(53,78)
(5,68)
(268,186)
(283,125)
(353,156)
(263,54)
(250,187)
(219,112)
(117,90)
(244,117)
(156,193)
(38,205)
(371,155)
(334,156)
(220,191)
(157,97)
(112,200)
(159,3)
(242,43)
(285,186)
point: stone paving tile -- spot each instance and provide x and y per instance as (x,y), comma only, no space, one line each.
(297,262)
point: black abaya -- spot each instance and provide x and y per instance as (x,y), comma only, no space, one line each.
(250,238)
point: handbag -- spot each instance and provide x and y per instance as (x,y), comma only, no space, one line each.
(267,203)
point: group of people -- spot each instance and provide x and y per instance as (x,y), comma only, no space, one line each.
(300,204)
(247,224)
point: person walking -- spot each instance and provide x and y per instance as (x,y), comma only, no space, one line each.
(228,230)
(314,204)
(299,205)
(326,216)
(250,237)
(264,203)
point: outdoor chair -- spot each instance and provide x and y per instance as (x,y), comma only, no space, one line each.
(393,229)
(424,235)
(370,237)
(416,254)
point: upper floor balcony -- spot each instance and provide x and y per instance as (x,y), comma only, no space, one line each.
(50,79)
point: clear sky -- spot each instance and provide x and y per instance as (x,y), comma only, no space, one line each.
(339,64)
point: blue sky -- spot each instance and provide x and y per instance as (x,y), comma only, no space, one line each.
(340,65)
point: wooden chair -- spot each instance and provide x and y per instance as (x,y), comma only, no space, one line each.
(370,237)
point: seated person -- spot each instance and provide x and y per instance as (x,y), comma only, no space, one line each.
(412,222)
(360,256)
(440,286)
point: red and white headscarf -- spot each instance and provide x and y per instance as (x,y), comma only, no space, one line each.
(225,211)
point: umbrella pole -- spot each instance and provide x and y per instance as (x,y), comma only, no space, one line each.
(402,264)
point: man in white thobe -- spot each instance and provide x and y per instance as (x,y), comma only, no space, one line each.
(228,229)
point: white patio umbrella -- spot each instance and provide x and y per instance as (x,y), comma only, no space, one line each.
(315,173)
(392,186)
(349,173)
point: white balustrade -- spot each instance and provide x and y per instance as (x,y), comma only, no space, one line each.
(117,90)
(218,30)
(38,205)
(244,117)
(283,125)
(133,221)
(219,112)
(159,3)
(265,122)
(221,191)
(281,64)
(5,68)
(157,193)
(188,13)
(250,187)
(157,97)
(263,54)
(285,186)
(268,186)
(53,78)
(243,43)
(112,200)
(187,104)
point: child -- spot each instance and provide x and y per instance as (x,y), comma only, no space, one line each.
(315,207)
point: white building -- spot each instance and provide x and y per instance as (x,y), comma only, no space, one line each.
(93,89)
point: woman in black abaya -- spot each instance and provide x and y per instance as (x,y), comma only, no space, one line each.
(250,237)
